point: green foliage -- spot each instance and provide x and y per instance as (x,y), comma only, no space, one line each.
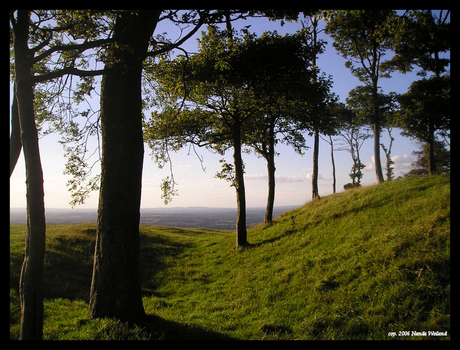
(362,102)
(419,37)
(441,156)
(354,265)
(362,37)
(230,92)
(425,108)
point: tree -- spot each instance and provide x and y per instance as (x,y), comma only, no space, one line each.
(352,134)
(387,151)
(420,37)
(235,97)
(31,283)
(115,287)
(420,167)
(313,20)
(425,111)
(292,100)
(31,66)
(363,37)
(362,103)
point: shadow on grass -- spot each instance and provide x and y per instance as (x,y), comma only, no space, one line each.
(69,262)
(161,329)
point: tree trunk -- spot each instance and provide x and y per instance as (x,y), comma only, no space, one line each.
(333,165)
(15,137)
(378,164)
(314,177)
(241,232)
(31,281)
(115,288)
(271,178)
(431,160)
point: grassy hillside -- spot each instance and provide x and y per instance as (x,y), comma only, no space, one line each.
(355,265)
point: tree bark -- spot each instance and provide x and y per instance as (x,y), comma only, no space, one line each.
(376,127)
(115,288)
(15,137)
(241,232)
(314,177)
(431,159)
(271,178)
(333,165)
(31,281)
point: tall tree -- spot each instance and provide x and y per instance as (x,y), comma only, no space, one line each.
(210,107)
(31,66)
(236,97)
(31,283)
(425,111)
(293,99)
(421,37)
(311,22)
(115,287)
(363,37)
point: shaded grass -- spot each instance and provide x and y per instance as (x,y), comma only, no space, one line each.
(355,265)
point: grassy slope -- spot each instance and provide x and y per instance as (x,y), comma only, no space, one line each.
(355,265)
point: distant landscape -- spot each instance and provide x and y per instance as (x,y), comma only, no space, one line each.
(186,217)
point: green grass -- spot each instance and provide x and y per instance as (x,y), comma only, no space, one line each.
(355,265)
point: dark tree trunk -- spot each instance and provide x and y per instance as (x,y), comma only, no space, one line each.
(241,232)
(378,164)
(115,287)
(15,137)
(314,177)
(333,165)
(270,158)
(31,281)
(431,160)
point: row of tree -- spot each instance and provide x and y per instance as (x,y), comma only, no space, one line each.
(240,90)
(227,96)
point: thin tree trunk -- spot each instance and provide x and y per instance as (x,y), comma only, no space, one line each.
(314,177)
(31,281)
(431,160)
(115,288)
(333,165)
(271,179)
(241,232)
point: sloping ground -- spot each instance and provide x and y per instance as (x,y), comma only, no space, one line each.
(355,265)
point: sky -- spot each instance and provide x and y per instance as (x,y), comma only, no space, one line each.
(200,188)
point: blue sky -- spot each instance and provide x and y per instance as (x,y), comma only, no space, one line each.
(198,188)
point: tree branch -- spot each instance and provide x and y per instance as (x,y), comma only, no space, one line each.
(178,43)
(84,46)
(70,70)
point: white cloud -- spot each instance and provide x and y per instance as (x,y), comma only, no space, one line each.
(255,177)
(320,177)
(403,162)
(400,162)
(291,178)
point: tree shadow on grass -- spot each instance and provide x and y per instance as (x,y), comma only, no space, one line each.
(161,329)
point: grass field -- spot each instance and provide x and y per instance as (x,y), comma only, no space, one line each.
(354,265)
